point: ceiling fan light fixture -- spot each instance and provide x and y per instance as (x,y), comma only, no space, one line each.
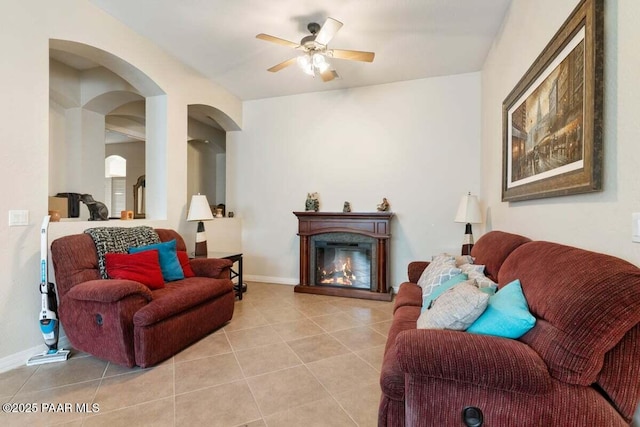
(313,63)
(306,64)
(318,60)
(303,61)
(310,70)
(314,60)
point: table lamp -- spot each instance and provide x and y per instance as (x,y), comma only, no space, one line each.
(469,213)
(199,210)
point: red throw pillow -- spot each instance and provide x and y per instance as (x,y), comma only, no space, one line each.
(183,257)
(143,267)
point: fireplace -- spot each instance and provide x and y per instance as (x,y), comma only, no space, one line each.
(343,259)
(344,254)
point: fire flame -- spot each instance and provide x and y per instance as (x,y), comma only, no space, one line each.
(342,275)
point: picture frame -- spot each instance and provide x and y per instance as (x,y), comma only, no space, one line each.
(552,119)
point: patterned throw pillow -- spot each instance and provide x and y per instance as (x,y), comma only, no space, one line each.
(466,268)
(460,259)
(482,280)
(455,309)
(476,271)
(118,240)
(440,289)
(442,259)
(441,269)
(464,259)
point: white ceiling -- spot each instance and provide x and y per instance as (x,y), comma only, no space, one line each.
(412,39)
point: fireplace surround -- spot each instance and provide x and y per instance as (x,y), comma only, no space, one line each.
(345,254)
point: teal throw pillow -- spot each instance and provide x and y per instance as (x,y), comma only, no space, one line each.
(507,314)
(440,289)
(169,263)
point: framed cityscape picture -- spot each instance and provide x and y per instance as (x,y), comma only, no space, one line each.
(552,119)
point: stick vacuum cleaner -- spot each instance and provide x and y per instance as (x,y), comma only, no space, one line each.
(49,325)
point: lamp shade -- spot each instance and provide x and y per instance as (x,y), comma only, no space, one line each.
(199,209)
(469,210)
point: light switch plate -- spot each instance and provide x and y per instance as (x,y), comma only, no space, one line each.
(635,227)
(18,217)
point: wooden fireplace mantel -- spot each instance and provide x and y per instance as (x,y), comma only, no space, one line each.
(373,224)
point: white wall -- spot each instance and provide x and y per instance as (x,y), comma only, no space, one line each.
(201,170)
(58,159)
(27,27)
(598,221)
(415,142)
(221,178)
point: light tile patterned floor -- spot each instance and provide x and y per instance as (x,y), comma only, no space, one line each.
(285,359)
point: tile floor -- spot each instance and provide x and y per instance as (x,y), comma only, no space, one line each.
(285,359)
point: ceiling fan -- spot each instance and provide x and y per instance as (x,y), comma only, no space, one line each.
(314,60)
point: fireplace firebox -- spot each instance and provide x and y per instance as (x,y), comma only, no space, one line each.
(342,259)
(344,254)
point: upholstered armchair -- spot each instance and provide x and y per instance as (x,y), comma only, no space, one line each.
(128,323)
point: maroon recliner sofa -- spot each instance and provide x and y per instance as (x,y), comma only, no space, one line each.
(578,366)
(125,322)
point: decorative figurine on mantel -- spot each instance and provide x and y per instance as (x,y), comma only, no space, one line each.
(384,206)
(347,207)
(312,203)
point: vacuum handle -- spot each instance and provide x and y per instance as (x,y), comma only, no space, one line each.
(44,251)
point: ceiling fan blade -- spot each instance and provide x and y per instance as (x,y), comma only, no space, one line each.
(352,55)
(328,75)
(282,65)
(328,30)
(278,40)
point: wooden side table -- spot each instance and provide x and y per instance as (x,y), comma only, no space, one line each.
(235,257)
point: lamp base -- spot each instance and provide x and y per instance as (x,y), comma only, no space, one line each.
(201,241)
(467,241)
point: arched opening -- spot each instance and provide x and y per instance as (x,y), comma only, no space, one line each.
(206,153)
(102,106)
(125,137)
(115,180)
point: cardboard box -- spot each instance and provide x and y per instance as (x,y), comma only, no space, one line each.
(59,204)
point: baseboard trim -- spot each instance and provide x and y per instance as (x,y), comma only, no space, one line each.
(20,359)
(270,279)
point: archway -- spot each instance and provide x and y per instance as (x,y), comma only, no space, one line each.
(206,153)
(96,97)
